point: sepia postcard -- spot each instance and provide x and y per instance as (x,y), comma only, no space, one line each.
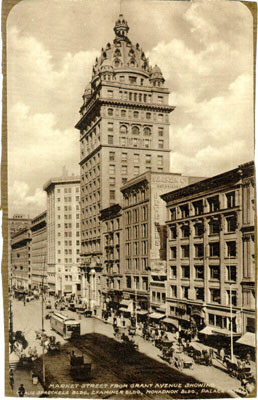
(128,197)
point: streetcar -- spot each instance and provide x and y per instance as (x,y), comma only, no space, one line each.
(65,326)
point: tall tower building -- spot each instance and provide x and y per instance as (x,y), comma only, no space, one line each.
(63,234)
(124,131)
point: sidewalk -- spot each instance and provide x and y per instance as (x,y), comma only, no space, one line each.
(24,376)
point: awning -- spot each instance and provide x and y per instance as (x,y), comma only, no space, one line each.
(156,315)
(223,332)
(125,303)
(141,312)
(162,308)
(248,339)
(171,321)
(125,309)
(207,330)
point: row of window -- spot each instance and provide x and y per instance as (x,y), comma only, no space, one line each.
(214,272)
(214,294)
(213,203)
(68,243)
(134,96)
(157,297)
(215,226)
(135,215)
(133,232)
(137,248)
(134,282)
(136,264)
(68,260)
(213,250)
(135,142)
(90,233)
(68,190)
(68,198)
(136,115)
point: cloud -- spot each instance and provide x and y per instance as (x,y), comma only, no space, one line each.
(20,198)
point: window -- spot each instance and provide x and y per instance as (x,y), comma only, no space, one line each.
(215,272)
(147,143)
(185,251)
(123,129)
(121,77)
(213,204)
(231,249)
(161,144)
(124,180)
(214,249)
(110,139)
(185,290)
(136,158)
(185,271)
(198,229)
(132,79)
(124,157)
(185,231)
(215,296)
(123,113)
(148,115)
(199,294)
(160,117)
(160,99)
(112,181)
(128,282)
(173,291)
(112,194)
(136,114)
(136,170)
(173,272)
(160,131)
(231,223)
(199,272)
(173,234)
(112,169)
(110,127)
(147,131)
(184,211)
(148,158)
(160,160)
(173,252)
(111,156)
(231,273)
(110,111)
(198,250)
(232,297)
(135,130)
(110,93)
(198,207)
(124,169)
(173,214)
(214,226)
(231,199)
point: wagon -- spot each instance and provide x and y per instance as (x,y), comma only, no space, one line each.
(181,361)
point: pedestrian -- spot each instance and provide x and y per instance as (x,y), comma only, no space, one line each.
(11,378)
(24,300)
(222,354)
(21,391)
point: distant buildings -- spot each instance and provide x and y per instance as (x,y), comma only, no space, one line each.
(39,251)
(63,234)
(211,253)
(21,258)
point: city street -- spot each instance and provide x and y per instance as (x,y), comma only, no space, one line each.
(108,364)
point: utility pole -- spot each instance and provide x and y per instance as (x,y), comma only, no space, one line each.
(42,314)
(11,313)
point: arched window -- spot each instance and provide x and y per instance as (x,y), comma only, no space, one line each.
(110,111)
(135,130)
(117,53)
(123,129)
(117,63)
(148,115)
(147,131)
(132,63)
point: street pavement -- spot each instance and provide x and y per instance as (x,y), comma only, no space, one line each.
(29,319)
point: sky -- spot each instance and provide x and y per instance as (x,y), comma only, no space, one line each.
(204,49)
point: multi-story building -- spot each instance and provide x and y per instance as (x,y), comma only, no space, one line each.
(112,240)
(124,131)
(211,253)
(63,234)
(143,255)
(15,224)
(39,251)
(21,259)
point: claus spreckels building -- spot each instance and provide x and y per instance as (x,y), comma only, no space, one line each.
(124,131)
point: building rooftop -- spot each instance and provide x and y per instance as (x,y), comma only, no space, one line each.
(60,180)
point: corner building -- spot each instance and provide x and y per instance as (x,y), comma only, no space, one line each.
(211,254)
(124,131)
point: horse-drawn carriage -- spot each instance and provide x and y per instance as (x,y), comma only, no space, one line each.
(79,370)
(181,360)
(53,345)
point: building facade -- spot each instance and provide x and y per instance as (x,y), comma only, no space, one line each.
(21,259)
(124,131)
(39,251)
(143,255)
(211,253)
(63,234)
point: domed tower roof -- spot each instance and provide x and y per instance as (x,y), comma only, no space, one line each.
(156,75)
